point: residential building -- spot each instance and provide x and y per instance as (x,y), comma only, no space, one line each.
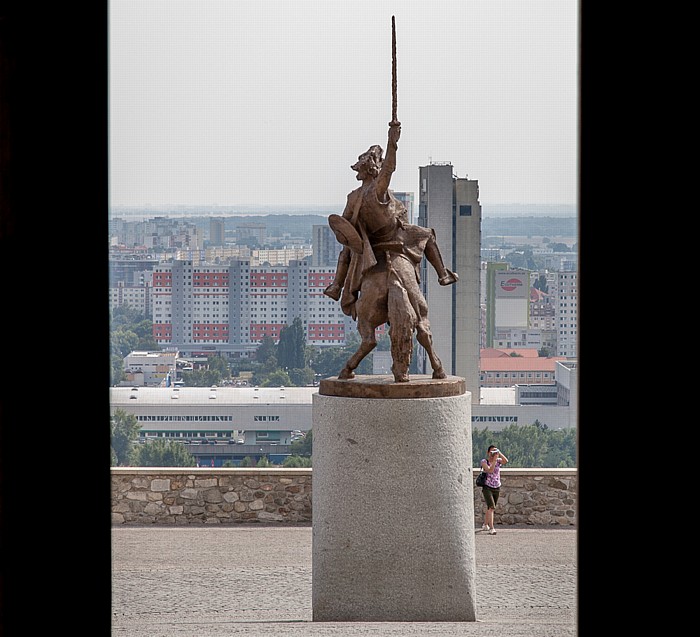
(137,297)
(231,308)
(325,247)
(567,313)
(156,233)
(130,269)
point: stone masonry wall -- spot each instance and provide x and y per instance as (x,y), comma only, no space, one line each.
(182,496)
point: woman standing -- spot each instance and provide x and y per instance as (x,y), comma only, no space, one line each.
(491,465)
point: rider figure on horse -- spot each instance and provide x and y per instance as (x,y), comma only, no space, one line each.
(374,220)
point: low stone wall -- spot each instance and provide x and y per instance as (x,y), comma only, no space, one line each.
(182,496)
(153,495)
(533,496)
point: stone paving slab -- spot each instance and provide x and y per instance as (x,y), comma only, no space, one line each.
(256,581)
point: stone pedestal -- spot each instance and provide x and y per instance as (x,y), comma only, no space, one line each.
(393,508)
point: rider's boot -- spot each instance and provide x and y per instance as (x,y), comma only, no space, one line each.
(432,254)
(335,288)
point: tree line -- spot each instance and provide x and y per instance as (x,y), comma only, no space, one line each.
(287,362)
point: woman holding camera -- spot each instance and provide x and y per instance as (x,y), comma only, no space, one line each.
(491,465)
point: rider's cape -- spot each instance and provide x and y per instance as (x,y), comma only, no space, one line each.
(413,240)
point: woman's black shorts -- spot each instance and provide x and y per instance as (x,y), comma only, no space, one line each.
(491,496)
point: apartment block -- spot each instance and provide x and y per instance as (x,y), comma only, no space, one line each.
(231,308)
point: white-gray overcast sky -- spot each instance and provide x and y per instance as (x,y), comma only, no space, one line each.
(269,102)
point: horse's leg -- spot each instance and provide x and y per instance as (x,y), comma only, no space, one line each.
(425,338)
(369,342)
(402,321)
(420,308)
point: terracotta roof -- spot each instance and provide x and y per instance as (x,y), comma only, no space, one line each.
(490,352)
(511,364)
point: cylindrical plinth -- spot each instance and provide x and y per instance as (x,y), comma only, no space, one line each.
(393,509)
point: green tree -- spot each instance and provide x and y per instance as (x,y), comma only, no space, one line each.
(130,330)
(541,284)
(562,449)
(301,377)
(123,341)
(201,377)
(560,247)
(329,361)
(144,331)
(124,430)
(126,316)
(266,350)
(247,462)
(219,364)
(296,462)
(304,446)
(532,445)
(278,378)
(164,453)
(291,348)
(116,369)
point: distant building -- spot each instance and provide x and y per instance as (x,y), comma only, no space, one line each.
(229,423)
(506,371)
(150,368)
(325,247)
(207,308)
(519,315)
(130,270)
(155,233)
(450,205)
(136,297)
(566,295)
(245,231)
(217,231)
(406,198)
(280,256)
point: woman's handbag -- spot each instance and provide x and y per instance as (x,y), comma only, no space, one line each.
(481,479)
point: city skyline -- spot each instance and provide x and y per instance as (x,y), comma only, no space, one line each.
(268,104)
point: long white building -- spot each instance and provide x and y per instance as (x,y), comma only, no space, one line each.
(269,415)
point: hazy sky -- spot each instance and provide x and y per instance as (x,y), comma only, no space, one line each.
(269,102)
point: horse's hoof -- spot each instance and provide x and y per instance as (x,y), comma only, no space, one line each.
(439,374)
(402,378)
(346,374)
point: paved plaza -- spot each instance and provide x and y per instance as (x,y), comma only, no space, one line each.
(218,581)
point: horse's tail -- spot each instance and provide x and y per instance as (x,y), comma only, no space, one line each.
(402,322)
